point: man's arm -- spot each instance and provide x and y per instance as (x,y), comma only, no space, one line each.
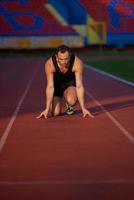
(79,82)
(50,85)
(49,89)
(80,87)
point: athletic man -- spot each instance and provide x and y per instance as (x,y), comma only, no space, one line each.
(64,73)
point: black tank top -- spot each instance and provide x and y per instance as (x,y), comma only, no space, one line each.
(61,78)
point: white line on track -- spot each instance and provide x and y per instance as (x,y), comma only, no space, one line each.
(10,124)
(71,182)
(110,75)
(119,125)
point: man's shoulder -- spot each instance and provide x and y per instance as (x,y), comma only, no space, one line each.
(78,64)
(49,65)
(78,61)
(77,58)
(48,60)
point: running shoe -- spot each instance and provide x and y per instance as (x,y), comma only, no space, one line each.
(69,110)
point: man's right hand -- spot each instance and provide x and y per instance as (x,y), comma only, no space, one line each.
(43,114)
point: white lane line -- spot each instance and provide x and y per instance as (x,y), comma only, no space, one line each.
(10,124)
(71,182)
(120,126)
(110,75)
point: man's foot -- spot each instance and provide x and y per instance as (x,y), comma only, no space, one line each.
(69,110)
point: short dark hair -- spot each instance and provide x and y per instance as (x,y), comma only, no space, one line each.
(62,48)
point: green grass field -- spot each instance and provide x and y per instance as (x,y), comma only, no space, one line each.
(123,69)
(118,63)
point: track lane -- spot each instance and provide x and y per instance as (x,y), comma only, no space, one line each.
(66,149)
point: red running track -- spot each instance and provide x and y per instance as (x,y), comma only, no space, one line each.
(66,157)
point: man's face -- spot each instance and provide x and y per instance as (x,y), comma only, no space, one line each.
(63,58)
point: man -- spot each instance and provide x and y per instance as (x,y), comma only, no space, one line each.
(64,73)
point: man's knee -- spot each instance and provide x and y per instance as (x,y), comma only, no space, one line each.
(56,106)
(71,100)
(55,113)
(70,95)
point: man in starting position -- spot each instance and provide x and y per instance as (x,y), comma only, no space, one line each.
(64,72)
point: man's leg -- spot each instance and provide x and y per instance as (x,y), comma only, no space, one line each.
(70,95)
(70,98)
(56,106)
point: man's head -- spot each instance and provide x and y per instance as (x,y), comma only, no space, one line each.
(63,55)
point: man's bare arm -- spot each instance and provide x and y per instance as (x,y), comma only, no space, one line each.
(80,87)
(49,89)
(50,85)
(79,82)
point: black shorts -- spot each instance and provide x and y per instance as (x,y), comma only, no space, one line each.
(60,88)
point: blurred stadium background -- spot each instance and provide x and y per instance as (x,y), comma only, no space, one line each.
(81,24)
(77,23)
